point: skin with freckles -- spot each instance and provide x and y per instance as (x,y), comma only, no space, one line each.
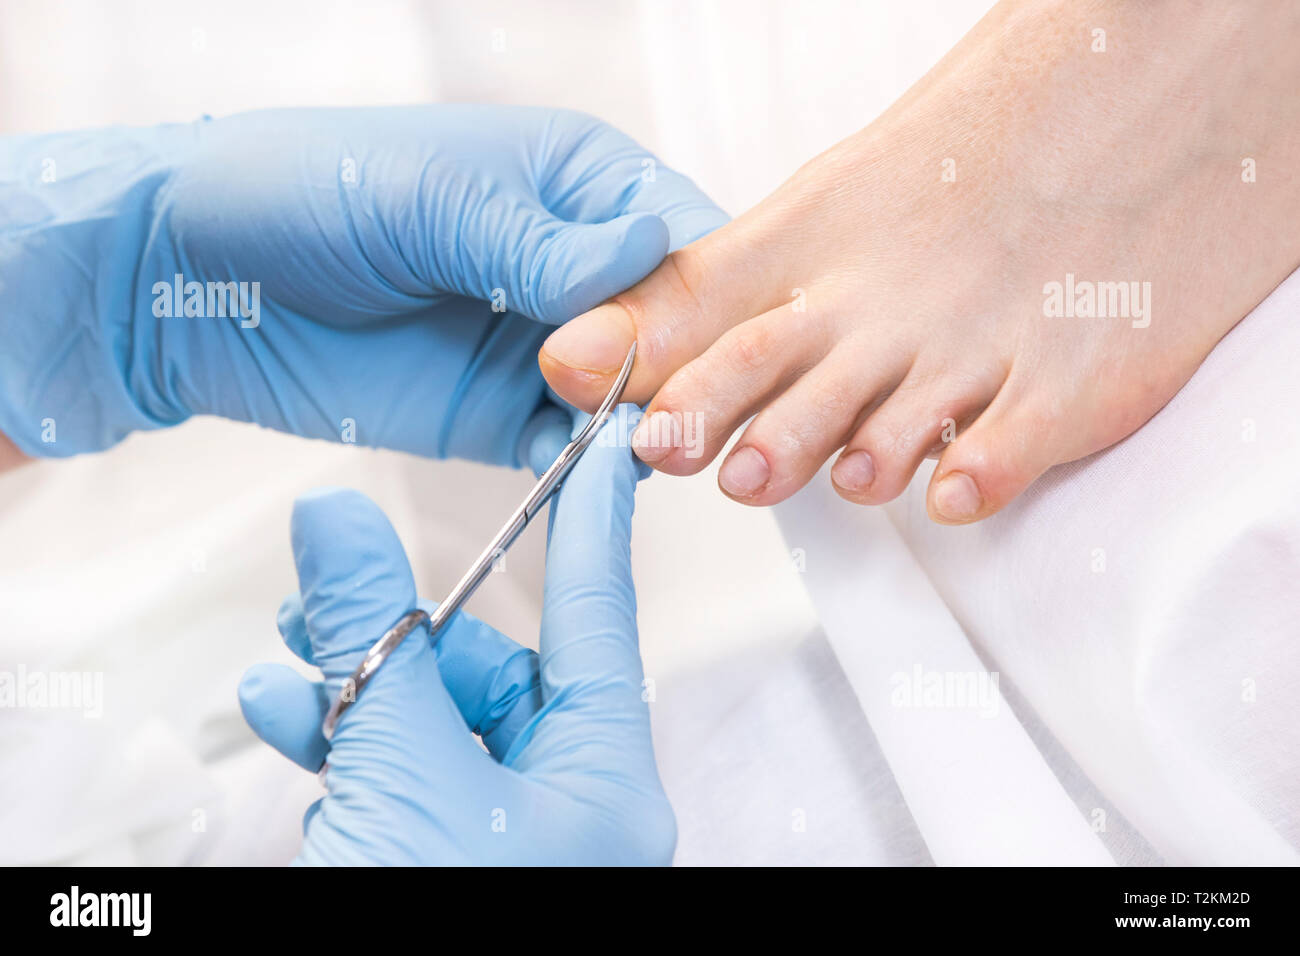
(1015,266)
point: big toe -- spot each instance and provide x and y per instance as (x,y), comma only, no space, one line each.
(581,358)
(674,315)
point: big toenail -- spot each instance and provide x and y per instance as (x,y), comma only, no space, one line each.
(956,498)
(744,473)
(854,471)
(595,342)
(656,436)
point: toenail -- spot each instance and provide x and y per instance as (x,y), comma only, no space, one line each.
(595,342)
(744,473)
(956,498)
(855,471)
(655,437)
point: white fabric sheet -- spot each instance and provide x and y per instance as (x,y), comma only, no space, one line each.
(938,713)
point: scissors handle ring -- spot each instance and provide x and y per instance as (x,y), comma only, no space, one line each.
(375,657)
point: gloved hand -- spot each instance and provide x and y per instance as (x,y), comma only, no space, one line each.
(355,254)
(569,774)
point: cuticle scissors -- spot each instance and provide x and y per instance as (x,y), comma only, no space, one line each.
(542,492)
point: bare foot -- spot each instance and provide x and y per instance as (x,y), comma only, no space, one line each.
(1017,265)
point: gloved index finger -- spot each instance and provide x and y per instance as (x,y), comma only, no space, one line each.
(605,173)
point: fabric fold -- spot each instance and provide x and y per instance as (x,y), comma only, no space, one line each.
(978,788)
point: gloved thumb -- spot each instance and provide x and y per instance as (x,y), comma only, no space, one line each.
(356,583)
(550,269)
(353,575)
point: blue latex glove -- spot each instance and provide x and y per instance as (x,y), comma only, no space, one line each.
(569,775)
(381,240)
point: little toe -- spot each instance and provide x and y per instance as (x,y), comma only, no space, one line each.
(1005,450)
